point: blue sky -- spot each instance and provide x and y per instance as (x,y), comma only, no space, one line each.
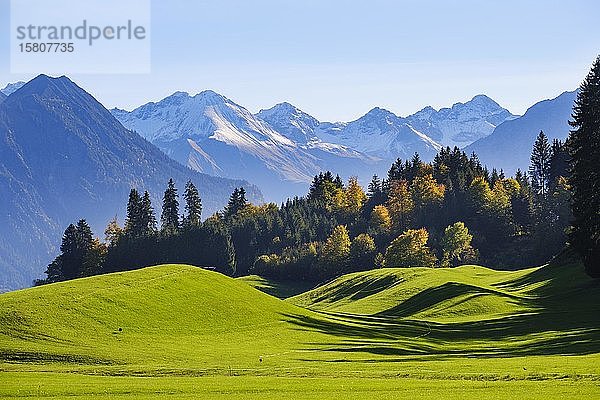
(337,59)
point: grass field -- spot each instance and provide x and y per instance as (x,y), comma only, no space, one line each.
(182,332)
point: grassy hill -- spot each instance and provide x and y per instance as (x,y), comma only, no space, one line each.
(184,332)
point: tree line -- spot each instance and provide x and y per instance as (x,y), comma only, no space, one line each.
(444,213)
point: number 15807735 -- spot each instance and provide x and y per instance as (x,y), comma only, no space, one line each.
(46,47)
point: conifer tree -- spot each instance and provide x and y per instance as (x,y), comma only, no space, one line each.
(539,169)
(237,202)
(584,147)
(170,211)
(193,205)
(133,224)
(147,217)
(75,248)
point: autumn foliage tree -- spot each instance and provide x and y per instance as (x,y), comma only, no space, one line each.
(410,250)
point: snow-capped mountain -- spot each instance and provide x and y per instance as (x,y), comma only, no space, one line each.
(276,149)
(380,133)
(212,134)
(12,87)
(461,124)
(291,122)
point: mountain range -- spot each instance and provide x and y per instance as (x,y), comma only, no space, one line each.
(210,133)
(63,156)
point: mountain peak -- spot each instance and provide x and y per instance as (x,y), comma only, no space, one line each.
(281,109)
(10,88)
(211,96)
(378,112)
(44,83)
(484,100)
(290,121)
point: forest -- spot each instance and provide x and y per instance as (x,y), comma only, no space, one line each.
(449,212)
(444,213)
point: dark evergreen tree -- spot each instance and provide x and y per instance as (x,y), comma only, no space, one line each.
(584,147)
(169,218)
(134,225)
(147,217)
(237,202)
(559,163)
(539,169)
(75,247)
(193,205)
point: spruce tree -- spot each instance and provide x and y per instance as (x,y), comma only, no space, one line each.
(559,163)
(133,225)
(170,212)
(584,147)
(75,248)
(539,168)
(147,217)
(193,205)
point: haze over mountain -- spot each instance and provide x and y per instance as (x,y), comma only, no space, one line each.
(509,146)
(213,134)
(63,156)
(210,133)
(463,123)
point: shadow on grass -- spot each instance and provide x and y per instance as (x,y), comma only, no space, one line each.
(565,320)
(11,356)
(432,296)
(358,288)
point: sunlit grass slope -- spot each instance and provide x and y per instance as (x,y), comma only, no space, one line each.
(448,294)
(165,315)
(184,332)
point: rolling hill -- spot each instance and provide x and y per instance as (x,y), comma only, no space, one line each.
(159,303)
(190,332)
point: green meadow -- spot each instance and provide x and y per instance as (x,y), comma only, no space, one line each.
(177,331)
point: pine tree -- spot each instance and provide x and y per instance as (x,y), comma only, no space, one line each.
(559,163)
(133,224)
(193,205)
(539,169)
(170,211)
(237,202)
(147,218)
(584,147)
(75,248)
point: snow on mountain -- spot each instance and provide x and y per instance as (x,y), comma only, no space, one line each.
(463,123)
(12,87)
(380,133)
(212,134)
(292,122)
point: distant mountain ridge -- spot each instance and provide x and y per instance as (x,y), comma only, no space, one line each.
(210,133)
(463,123)
(509,146)
(63,156)
(10,88)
